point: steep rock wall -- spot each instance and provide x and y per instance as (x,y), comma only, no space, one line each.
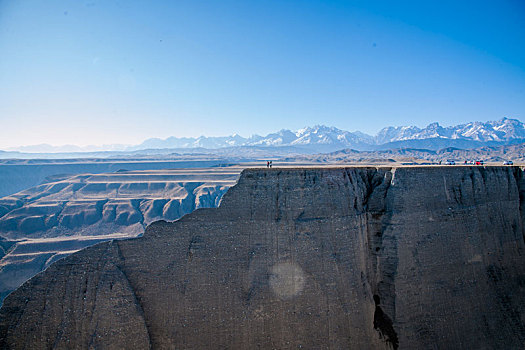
(358,258)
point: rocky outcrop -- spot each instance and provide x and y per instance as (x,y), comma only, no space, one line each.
(363,258)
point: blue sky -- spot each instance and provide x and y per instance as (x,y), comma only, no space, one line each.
(101,72)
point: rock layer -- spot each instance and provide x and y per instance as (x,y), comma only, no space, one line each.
(19,174)
(408,258)
(67,213)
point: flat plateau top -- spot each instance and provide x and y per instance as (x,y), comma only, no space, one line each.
(373,165)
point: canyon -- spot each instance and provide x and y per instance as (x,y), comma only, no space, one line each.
(352,257)
(20,174)
(64,214)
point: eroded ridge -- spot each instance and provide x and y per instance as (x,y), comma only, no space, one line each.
(363,258)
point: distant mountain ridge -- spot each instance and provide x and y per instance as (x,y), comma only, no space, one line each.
(318,135)
(501,153)
(501,130)
(321,138)
(324,138)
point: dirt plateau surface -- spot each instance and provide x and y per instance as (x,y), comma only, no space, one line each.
(360,258)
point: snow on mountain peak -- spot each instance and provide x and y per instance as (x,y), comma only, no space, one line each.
(503,130)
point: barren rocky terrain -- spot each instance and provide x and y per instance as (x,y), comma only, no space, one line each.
(364,258)
(494,154)
(20,174)
(45,223)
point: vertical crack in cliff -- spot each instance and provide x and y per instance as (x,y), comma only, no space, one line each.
(520,182)
(383,323)
(382,249)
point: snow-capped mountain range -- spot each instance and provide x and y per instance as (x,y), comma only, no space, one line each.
(322,138)
(325,138)
(318,135)
(501,130)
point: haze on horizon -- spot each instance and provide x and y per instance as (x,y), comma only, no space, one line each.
(113,72)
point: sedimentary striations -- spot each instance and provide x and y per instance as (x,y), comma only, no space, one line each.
(65,205)
(67,213)
(409,258)
(20,174)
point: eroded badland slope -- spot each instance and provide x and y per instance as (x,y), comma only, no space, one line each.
(362,258)
(45,223)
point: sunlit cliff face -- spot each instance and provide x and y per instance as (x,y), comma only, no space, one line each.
(314,258)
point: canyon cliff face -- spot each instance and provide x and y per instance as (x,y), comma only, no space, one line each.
(361,258)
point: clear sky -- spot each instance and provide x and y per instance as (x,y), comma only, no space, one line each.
(101,72)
